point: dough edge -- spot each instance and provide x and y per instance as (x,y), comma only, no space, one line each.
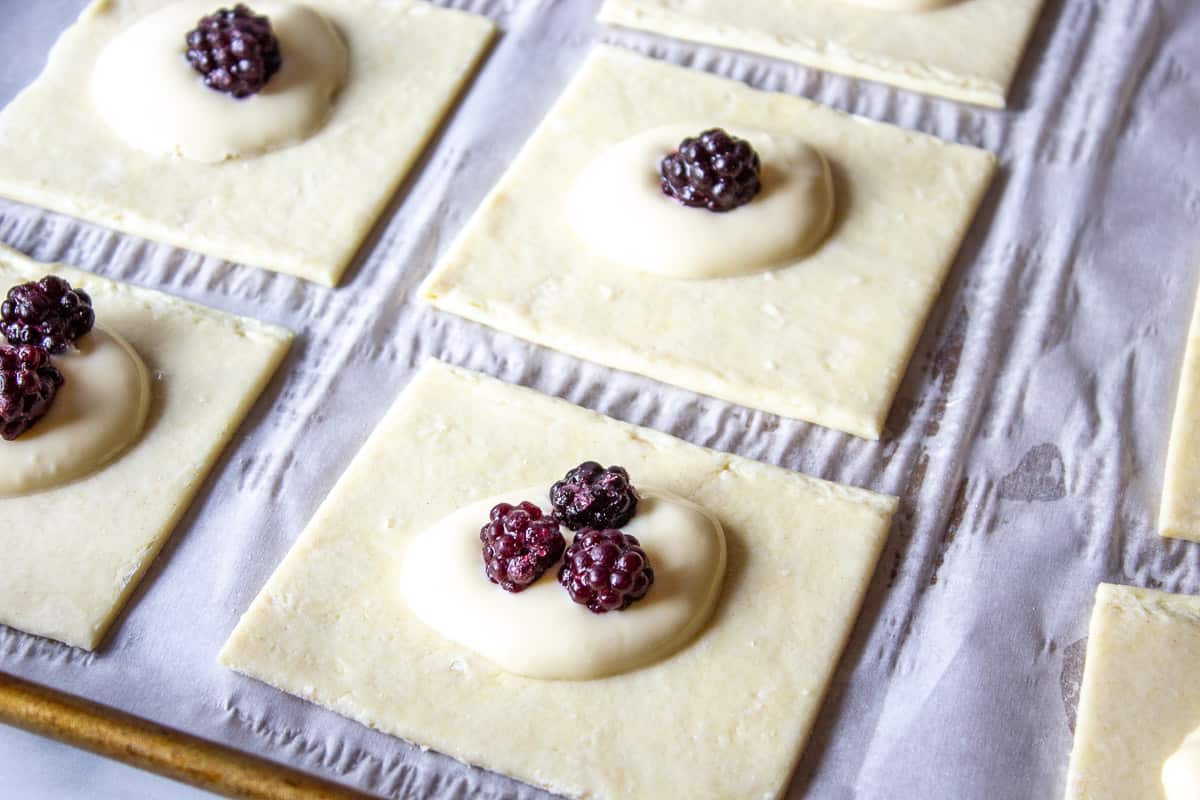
(1179,511)
(1118,608)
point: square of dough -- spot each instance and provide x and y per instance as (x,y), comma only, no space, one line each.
(727,716)
(303,210)
(1139,697)
(968,50)
(826,340)
(74,553)
(1179,516)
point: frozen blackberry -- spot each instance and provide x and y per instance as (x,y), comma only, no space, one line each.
(48,313)
(28,384)
(235,50)
(519,545)
(591,496)
(713,170)
(605,570)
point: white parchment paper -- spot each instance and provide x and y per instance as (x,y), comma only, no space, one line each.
(1027,442)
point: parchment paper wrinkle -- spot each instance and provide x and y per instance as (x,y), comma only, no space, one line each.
(1028,440)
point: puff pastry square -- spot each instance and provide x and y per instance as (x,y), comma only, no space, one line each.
(1179,516)
(825,340)
(1139,697)
(726,716)
(73,554)
(968,50)
(303,210)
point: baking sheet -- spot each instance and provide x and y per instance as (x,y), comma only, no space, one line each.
(1027,442)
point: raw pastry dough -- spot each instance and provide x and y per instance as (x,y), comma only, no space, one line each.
(902,5)
(967,50)
(726,716)
(303,209)
(149,94)
(826,340)
(617,207)
(1179,516)
(1139,698)
(74,553)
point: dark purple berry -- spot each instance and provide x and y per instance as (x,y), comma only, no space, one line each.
(236,51)
(605,570)
(591,496)
(519,545)
(28,384)
(48,313)
(714,171)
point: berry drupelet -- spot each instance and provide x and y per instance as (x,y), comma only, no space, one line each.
(235,50)
(591,496)
(713,170)
(48,313)
(28,384)
(605,570)
(519,545)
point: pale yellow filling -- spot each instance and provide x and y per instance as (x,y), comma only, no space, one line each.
(1181,771)
(98,412)
(617,207)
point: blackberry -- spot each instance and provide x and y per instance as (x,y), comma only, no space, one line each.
(591,496)
(28,384)
(48,313)
(519,545)
(713,170)
(605,570)
(236,51)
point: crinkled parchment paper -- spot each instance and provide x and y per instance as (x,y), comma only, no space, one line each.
(1028,440)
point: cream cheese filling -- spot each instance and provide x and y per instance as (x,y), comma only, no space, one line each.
(540,632)
(98,412)
(148,93)
(1181,771)
(617,208)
